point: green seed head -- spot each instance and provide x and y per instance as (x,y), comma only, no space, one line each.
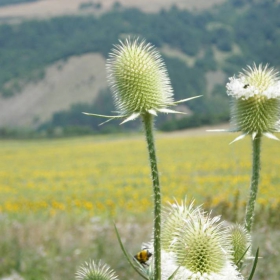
(241,241)
(194,245)
(138,78)
(93,271)
(204,247)
(256,100)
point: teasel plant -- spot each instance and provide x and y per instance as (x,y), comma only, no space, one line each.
(141,88)
(255,111)
(196,246)
(95,271)
(241,244)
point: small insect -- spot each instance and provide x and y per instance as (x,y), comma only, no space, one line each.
(143,256)
(245,86)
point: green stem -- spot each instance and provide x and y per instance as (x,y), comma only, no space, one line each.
(148,125)
(256,146)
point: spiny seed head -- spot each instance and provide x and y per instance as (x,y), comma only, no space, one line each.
(194,245)
(256,99)
(241,242)
(204,248)
(138,78)
(92,271)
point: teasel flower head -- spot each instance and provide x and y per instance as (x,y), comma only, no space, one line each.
(138,78)
(139,81)
(95,271)
(241,243)
(205,249)
(255,105)
(198,247)
(255,101)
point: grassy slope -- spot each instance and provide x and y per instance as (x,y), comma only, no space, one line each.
(66,82)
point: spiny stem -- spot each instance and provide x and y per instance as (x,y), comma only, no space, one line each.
(256,165)
(148,124)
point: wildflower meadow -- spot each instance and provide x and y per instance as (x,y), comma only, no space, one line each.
(105,176)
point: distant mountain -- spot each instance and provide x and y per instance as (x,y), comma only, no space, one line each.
(49,65)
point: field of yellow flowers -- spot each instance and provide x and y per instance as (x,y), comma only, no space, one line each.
(110,175)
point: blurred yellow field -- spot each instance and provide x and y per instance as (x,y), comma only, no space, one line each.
(110,175)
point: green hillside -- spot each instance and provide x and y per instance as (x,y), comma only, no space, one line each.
(223,39)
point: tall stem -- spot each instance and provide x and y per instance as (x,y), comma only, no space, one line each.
(148,125)
(256,146)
